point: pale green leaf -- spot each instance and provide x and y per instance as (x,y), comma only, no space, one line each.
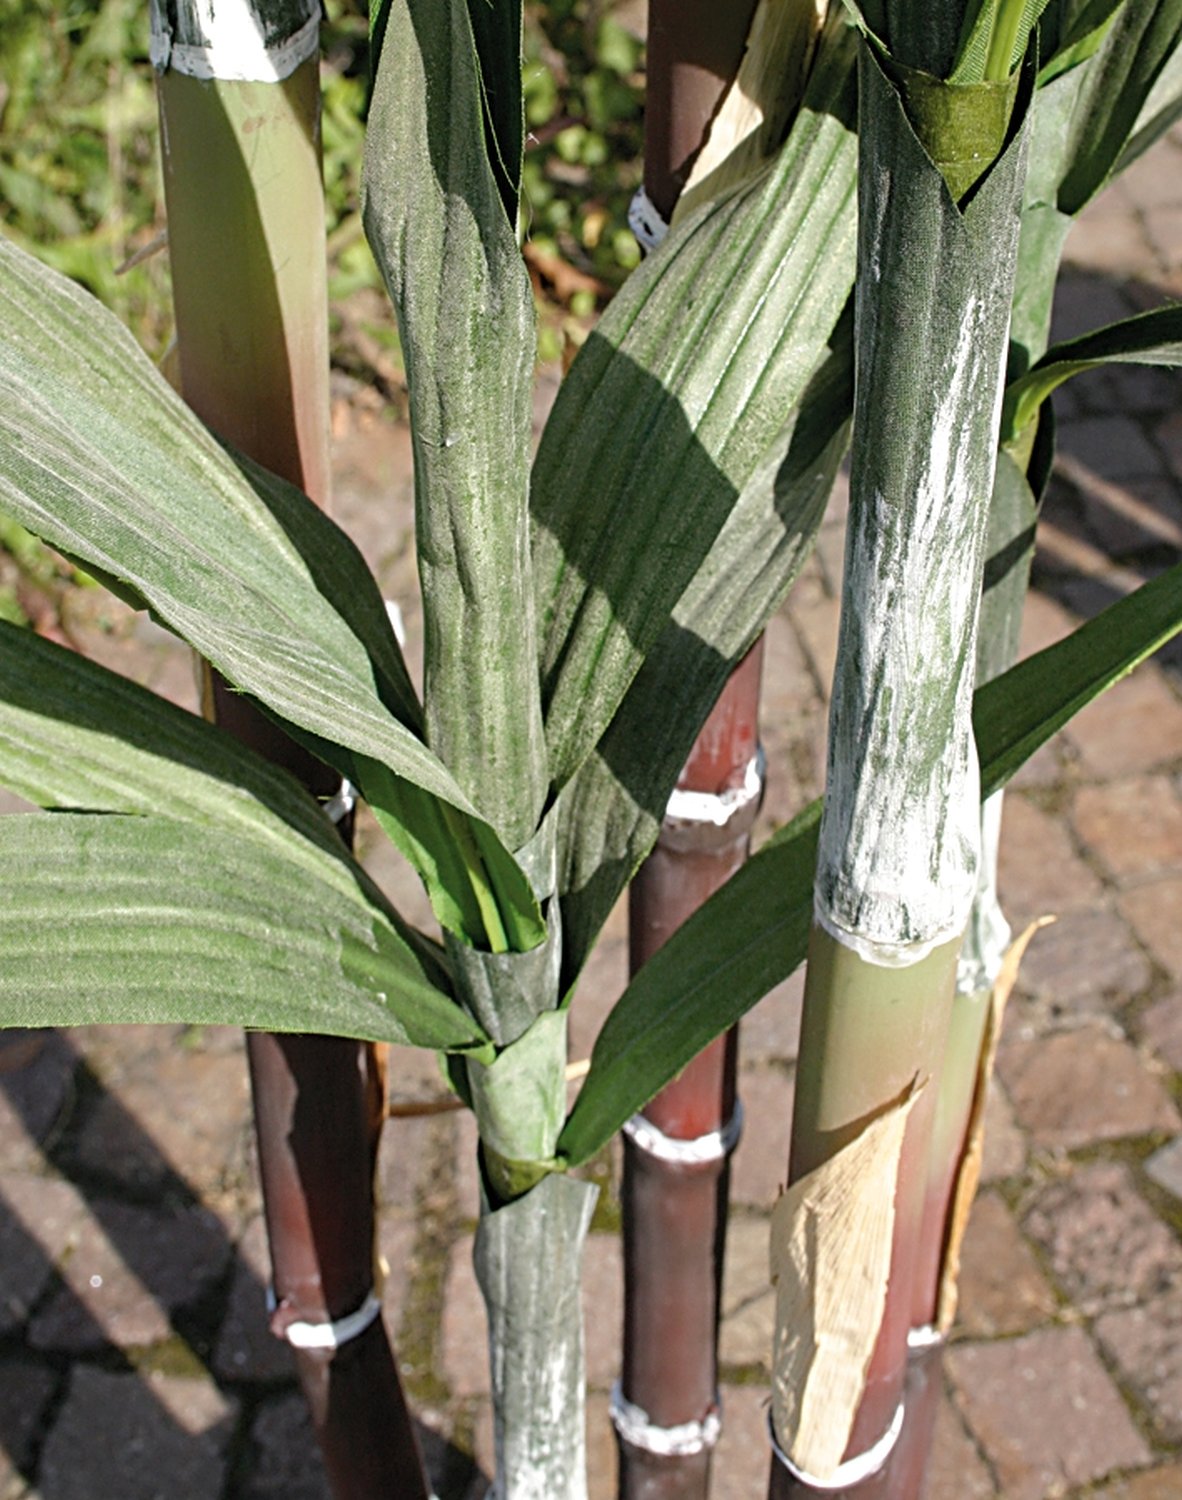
(113,918)
(448,251)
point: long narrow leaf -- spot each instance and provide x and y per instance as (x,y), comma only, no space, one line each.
(753,932)
(1149,338)
(99,457)
(110,918)
(674,401)
(611,810)
(448,250)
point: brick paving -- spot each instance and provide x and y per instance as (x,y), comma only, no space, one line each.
(134,1355)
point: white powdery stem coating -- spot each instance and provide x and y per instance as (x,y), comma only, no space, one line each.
(899,844)
(246,41)
(987,939)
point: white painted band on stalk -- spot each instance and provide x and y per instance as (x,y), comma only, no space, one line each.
(342,802)
(646,221)
(925,1337)
(638,1429)
(715,1145)
(303,1335)
(718,808)
(232,42)
(863,1465)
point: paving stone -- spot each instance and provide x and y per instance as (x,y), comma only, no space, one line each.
(127,1273)
(1135,727)
(26,1390)
(246,1349)
(1160,1026)
(748,1303)
(955,1470)
(1077,1087)
(1002,1290)
(1106,1247)
(1039,870)
(404,1146)
(1155,910)
(603,1308)
(137,1437)
(771,1031)
(1114,446)
(1044,1412)
(1154,1484)
(285,1462)
(1106,237)
(759,1168)
(1005,1145)
(36,1094)
(1083,964)
(1145,1345)
(38,1217)
(743,1455)
(186,1117)
(1165,1167)
(1133,827)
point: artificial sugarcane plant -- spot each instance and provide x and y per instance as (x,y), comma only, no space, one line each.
(603,620)
(239,99)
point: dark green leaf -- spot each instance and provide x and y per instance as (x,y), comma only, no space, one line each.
(753,933)
(1149,338)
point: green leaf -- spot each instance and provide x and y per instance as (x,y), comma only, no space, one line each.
(448,252)
(1114,86)
(1018,712)
(102,459)
(753,932)
(612,809)
(114,918)
(1071,34)
(713,969)
(496,31)
(1149,338)
(674,401)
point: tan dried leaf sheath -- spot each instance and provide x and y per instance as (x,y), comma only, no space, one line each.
(830,1261)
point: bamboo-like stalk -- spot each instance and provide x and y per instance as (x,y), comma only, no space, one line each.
(899,842)
(239,107)
(665,1407)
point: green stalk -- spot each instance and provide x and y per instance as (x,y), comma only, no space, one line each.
(239,108)
(940,177)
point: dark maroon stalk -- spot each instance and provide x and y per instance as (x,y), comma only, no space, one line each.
(675,1210)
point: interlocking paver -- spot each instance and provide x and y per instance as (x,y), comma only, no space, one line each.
(1002,1289)
(1155,911)
(1103,1243)
(1134,828)
(1145,1345)
(1079,1087)
(1045,1411)
(1084,964)
(137,1436)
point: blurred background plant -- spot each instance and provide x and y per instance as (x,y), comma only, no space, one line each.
(80,186)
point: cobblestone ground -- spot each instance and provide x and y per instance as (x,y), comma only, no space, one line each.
(134,1359)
